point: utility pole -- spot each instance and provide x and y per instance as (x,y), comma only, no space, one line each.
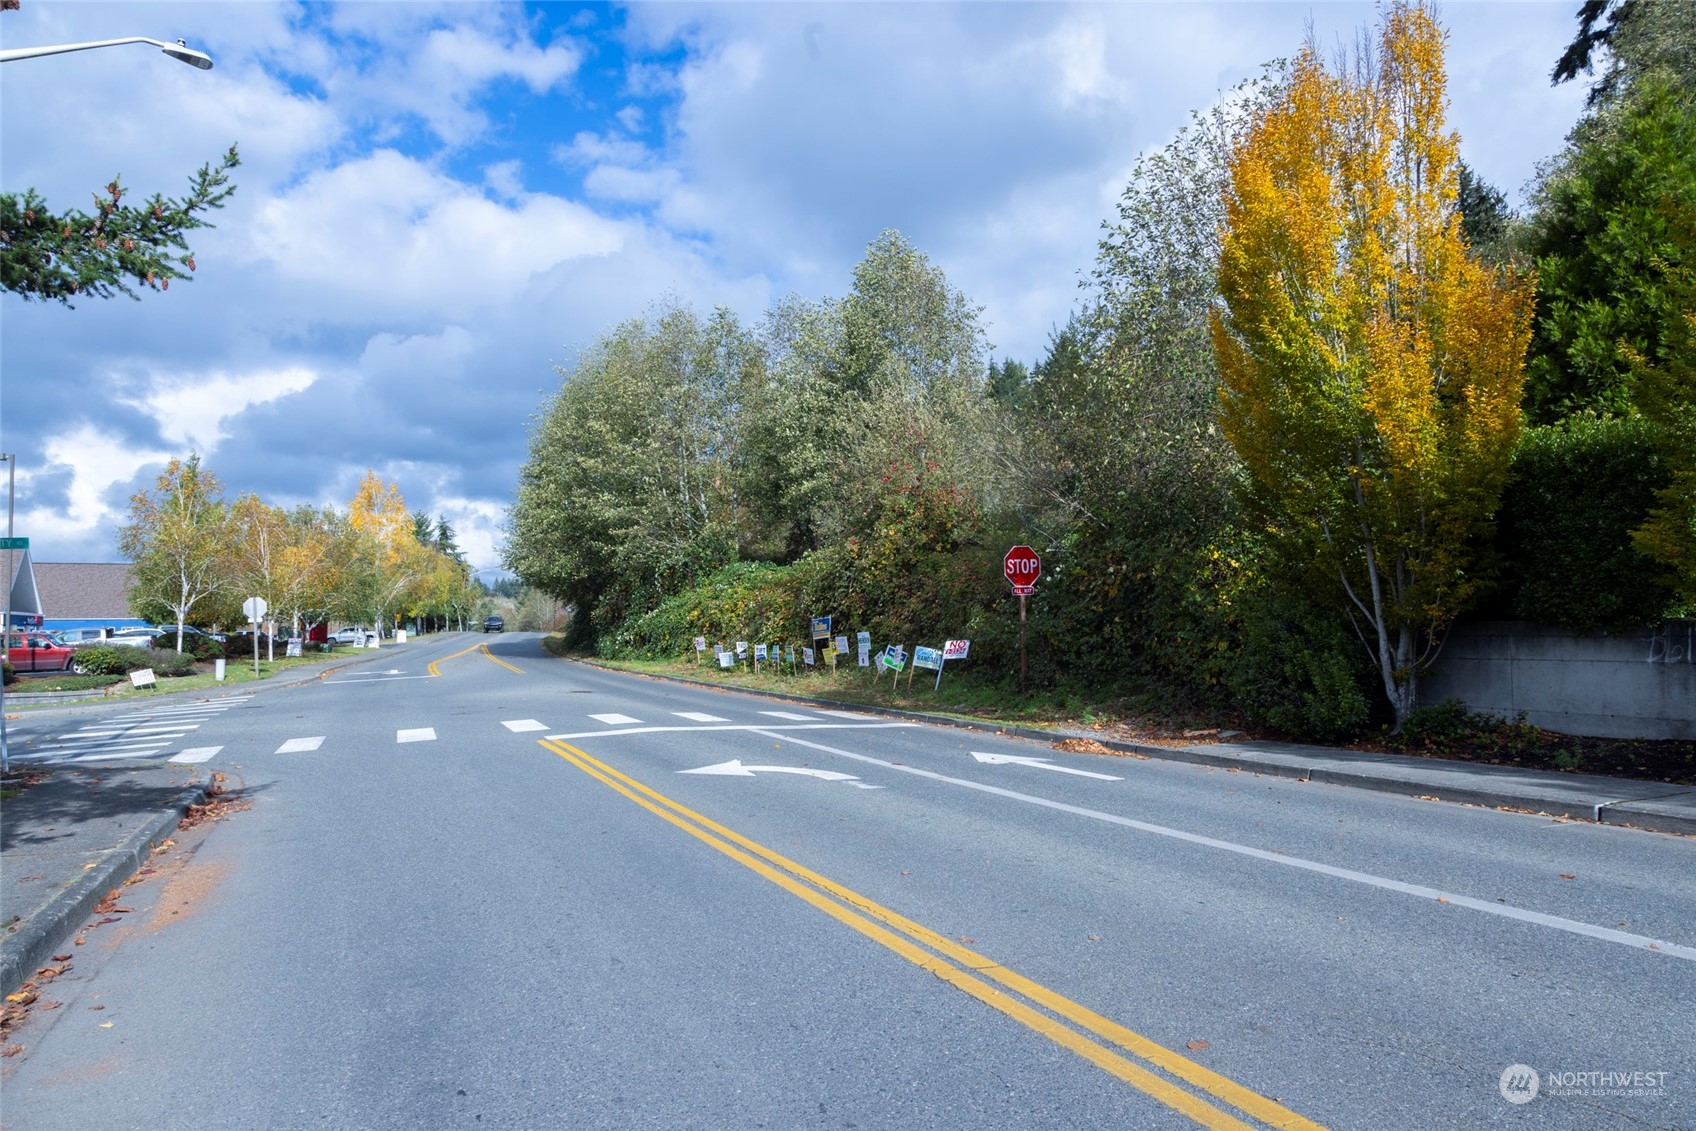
(11,459)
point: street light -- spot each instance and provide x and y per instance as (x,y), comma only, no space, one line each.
(178,50)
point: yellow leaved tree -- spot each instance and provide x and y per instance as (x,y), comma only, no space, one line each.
(385,561)
(1371,370)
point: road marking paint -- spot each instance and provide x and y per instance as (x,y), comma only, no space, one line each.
(118,757)
(198,754)
(1418,891)
(301,745)
(435,665)
(162,730)
(519,726)
(1037,764)
(419,734)
(488,655)
(847,715)
(735,768)
(966,969)
(614,720)
(752,728)
(792,716)
(699,717)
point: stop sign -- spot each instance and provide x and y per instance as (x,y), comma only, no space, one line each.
(1022,567)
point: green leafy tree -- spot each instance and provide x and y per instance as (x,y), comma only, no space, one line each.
(1665,395)
(115,247)
(178,542)
(1604,246)
(1372,369)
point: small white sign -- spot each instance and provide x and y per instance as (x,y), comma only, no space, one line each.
(807,656)
(842,645)
(759,651)
(727,659)
(700,643)
(143,677)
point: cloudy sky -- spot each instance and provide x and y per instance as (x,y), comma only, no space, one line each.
(438,203)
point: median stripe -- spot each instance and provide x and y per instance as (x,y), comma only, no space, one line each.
(967,970)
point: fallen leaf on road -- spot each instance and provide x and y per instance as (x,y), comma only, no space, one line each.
(1095,938)
(51,1004)
(1568,876)
(107,1024)
(904,872)
(22,997)
(11,1050)
(1196,1045)
(1440,899)
(967,939)
(61,958)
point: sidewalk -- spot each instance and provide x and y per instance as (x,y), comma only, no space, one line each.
(68,840)
(1656,806)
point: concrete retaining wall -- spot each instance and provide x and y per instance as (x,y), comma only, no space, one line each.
(1634,685)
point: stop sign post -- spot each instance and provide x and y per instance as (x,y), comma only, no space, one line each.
(1022,567)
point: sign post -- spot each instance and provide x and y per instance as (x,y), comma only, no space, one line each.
(254,608)
(1022,567)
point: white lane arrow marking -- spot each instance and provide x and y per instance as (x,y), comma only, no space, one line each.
(1038,763)
(735,768)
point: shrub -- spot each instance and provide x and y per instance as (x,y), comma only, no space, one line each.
(1575,492)
(195,645)
(166,661)
(109,659)
(1300,670)
(10,676)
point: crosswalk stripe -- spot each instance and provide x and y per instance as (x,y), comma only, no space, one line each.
(791,715)
(848,715)
(699,717)
(615,720)
(198,754)
(301,745)
(419,734)
(520,726)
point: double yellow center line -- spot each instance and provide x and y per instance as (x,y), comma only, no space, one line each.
(1088,1034)
(435,665)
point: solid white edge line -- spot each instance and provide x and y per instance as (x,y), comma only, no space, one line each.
(1419,891)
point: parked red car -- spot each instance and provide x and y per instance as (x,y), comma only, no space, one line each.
(35,652)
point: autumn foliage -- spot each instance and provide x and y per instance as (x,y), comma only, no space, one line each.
(1371,370)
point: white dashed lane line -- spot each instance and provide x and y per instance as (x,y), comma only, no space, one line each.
(197,754)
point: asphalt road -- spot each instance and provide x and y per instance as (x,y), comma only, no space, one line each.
(527,893)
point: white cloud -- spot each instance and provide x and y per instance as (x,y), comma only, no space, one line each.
(97,462)
(385,236)
(191,410)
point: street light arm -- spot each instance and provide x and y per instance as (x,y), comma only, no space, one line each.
(178,50)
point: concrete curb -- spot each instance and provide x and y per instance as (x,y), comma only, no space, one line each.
(1640,814)
(24,950)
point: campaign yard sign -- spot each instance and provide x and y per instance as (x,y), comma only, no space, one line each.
(759,652)
(956,649)
(929,659)
(821,628)
(864,640)
(807,656)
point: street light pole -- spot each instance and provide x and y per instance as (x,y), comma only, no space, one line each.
(11,459)
(178,50)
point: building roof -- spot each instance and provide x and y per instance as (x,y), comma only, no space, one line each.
(84,590)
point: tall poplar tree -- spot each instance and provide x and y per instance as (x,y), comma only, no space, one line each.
(1371,369)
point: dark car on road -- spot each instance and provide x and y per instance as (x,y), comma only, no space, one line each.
(494,624)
